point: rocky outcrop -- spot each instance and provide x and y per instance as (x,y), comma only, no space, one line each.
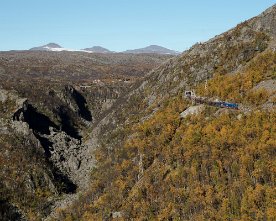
(266,21)
(268,85)
(193,110)
(76,101)
(70,156)
(100,98)
(60,148)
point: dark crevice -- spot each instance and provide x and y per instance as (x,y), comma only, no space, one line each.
(40,124)
(81,102)
(64,184)
(46,144)
(37,121)
(66,122)
(9,212)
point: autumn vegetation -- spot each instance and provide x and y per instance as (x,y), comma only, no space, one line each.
(217,165)
(240,87)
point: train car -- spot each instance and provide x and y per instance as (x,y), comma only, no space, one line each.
(229,105)
(203,100)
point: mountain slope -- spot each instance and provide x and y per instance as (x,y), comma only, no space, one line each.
(97,49)
(154,49)
(48,47)
(153,164)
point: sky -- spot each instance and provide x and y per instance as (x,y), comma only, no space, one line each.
(120,24)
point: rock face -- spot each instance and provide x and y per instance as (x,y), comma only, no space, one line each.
(70,157)
(193,110)
(62,143)
(269,85)
(22,176)
(265,21)
(59,145)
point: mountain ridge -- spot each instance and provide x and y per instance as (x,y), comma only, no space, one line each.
(46,47)
(151,49)
(97,49)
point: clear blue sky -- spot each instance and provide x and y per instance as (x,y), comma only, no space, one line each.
(120,24)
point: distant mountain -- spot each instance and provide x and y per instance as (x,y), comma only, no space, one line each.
(48,47)
(155,49)
(97,49)
(152,49)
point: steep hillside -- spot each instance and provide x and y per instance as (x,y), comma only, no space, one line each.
(156,162)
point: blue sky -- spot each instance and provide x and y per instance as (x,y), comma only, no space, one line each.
(120,24)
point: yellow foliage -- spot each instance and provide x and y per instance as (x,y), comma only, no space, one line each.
(238,87)
(204,167)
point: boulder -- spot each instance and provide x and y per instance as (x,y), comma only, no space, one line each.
(193,110)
